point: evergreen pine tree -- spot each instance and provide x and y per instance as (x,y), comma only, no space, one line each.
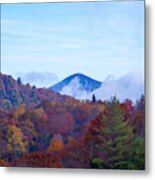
(19,81)
(116,137)
(93,98)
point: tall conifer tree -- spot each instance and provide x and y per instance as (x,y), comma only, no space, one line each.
(116,138)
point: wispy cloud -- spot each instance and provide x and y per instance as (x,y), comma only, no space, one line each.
(29,30)
(129,86)
(75,89)
(95,38)
(39,79)
(35,37)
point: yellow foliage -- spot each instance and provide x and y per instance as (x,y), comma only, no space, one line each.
(15,140)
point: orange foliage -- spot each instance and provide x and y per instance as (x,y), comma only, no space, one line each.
(57,144)
(19,111)
(3,163)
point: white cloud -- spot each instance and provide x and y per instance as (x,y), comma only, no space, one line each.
(129,86)
(39,79)
(75,90)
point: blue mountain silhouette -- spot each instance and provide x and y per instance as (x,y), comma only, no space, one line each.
(86,83)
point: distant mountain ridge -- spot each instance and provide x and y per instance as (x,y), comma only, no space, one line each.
(86,83)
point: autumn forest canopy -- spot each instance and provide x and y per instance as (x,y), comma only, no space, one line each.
(41,128)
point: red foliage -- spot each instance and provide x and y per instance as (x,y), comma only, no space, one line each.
(40,159)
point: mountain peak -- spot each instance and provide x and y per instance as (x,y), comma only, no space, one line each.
(79,75)
(85,82)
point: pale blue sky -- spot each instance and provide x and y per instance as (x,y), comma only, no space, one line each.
(96,39)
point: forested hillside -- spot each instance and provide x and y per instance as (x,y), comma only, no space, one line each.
(13,93)
(41,128)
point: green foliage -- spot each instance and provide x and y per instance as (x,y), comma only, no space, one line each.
(137,155)
(97,163)
(116,141)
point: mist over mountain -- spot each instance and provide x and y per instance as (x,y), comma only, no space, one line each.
(79,86)
(129,86)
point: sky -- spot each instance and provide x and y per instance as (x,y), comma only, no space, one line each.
(44,43)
